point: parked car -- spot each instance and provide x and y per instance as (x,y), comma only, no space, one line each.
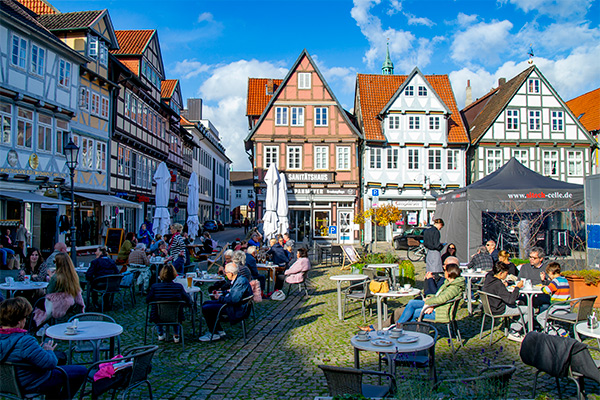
(210,225)
(401,241)
(236,223)
(220,225)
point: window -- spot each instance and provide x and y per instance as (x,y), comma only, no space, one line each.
(38,56)
(322,223)
(64,73)
(19,52)
(321,116)
(413,159)
(434,123)
(557,121)
(134,169)
(392,158)
(422,91)
(5,123)
(512,120)
(533,85)
(434,159)
(304,80)
(535,117)
(101,156)
(453,159)
(521,156)
(574,163)
(104,109)
(271,155)
(44,132)
(343,158)
(84,98)
(414,122)
(87,153)
(250,193)
(409,91)
(95,103)
(394,122)
(375,158)
(238,193)
(93,46)
(24,128)
(321,157)
(103,54)
(297,116)
(281,115)
(550,162)
(62,135)
(493,159)
(294,157)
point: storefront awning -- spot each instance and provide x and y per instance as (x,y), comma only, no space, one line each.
(107,200)
(28,197)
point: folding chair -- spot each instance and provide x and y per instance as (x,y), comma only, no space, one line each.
(350,255)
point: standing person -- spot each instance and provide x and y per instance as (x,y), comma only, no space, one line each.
(176,243)
(144,235)
(21,238)
(431,241)
(104,225)
(128,245)
(17,346)
(490,246)
(101,266)
(246,225)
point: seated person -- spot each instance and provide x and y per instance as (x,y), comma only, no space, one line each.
(559,291)
(126,247)
(295,273)
(251,264)
(167,290)
(277,254)
(240,289)
(450,252)
(207,244)
(138,255)
(157,241)
(17,346)
(534,272)
(288,241)
(101,266)
(243,245)
(434,281)
(179,261)
(254,240)
(481,259)
(493,284)
(161,251)
(504,257)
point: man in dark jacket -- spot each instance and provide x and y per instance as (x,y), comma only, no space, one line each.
(277,254)
(101,266)
(431,241)
(481,260)
(251,264)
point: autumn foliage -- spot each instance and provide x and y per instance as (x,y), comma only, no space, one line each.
(382,215)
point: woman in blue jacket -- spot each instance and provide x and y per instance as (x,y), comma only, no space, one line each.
(18,347)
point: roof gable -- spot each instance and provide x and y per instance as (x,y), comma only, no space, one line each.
(586,108)
(171,91)
(132,42)
(97,21)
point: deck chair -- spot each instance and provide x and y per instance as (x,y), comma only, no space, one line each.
(218,258)
(350,256)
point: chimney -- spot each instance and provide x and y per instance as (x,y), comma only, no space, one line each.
(501,81)
(194,110)
(469,99)
(269,88)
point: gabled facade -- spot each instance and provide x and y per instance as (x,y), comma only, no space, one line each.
(415,144)
(242,194)
(586,108)
(525,118)
(299,125)
(38,99)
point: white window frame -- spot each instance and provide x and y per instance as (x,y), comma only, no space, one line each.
(409,91)
(557,121)
(100,156)
(413,159)
(342,158)
(512,119)
(281,116)
(321,116)
(453,159)
(434,159)
(6,123)
(393,154)
(18,56)
(44,133)
(93,44)
(103,57)
(533,86)
(64,73)
(24,125)
(575,163)
(414,122)
(434,123)
(493,160)
(304,80)
(62,132)
(394,122)
(550,166)
(422,91)
(297,116)
(271,156)
(322,157)
(94,103)
(375,158)
(522,156)
(294,157)
(535,120)
(38,60)
(104,107)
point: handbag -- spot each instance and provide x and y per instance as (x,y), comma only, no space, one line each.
(278,295)
(379,286)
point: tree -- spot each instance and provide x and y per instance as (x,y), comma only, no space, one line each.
(382,215)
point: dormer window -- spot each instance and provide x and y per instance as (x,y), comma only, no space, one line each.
(422,91)
(93,46)
(409,91)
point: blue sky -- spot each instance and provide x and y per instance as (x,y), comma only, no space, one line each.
(214,46)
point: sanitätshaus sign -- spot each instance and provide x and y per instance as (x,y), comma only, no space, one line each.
(310,177)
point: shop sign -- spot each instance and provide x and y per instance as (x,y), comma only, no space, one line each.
(408,204)
(310,177)
(412,218)
(13,158)
(34,161)
(142,199)
(325,191)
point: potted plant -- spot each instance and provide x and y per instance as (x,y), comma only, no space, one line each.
(584,282)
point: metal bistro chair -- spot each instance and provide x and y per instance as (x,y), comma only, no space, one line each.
(88,346)
(107,286)
(508,313)
(452,325)
(128,285)
(584,306)
(301,285)
(341,381)
(9,384)
(167,314)
(491,383)
(248,306)
(359,292)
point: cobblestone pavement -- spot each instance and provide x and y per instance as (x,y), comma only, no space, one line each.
(290,338)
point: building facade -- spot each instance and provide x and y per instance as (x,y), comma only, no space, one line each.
(243,198)
(586,108)
(298,124)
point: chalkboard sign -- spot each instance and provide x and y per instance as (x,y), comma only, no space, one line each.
(114,239)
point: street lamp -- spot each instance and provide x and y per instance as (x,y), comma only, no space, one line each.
(72,154)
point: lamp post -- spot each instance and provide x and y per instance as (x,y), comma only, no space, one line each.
(72,154)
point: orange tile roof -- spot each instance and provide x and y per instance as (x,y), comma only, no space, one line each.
(39,7)
(167,87)
(132,64)
(588,106)
(132,42)
(257,95)
(184,121)
(374,92)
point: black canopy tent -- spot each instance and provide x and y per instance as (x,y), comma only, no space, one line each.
(512,189)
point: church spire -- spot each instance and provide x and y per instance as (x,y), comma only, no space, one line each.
(388,65)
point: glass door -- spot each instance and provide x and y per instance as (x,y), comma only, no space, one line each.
(345,230)
(299,225)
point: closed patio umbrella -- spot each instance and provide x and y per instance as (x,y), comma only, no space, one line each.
(282,206)
(270,224)
(162,218)
(192,206)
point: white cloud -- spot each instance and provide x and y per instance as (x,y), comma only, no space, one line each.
(395,6)
(464,19)
(560,9)
(413,20)
(206,16)
(481,42)
(187,69)
(555,38)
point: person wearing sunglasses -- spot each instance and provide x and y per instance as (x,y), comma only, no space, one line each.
(450,252)
(490,246)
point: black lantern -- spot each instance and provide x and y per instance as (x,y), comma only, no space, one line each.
(72,154)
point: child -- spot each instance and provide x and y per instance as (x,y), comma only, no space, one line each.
(559,291)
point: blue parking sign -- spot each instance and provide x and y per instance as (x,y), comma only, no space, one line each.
(333,230)
(375,192)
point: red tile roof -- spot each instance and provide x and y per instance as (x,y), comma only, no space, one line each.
(167,87)
(257,94)
(132,64)
(374,92)
(588,106)
(132,42)
(39,7)
(184,121)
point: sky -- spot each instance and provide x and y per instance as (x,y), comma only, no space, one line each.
(214,46)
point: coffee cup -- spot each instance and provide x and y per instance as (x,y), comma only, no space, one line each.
(407,286)
(10,280)
(395,333)
(362,335)
(71,329)
(478,269)
(470,270)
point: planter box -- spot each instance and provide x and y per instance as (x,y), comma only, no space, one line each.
(579,288)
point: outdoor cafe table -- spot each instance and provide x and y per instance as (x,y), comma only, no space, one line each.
(22,286)
(272,270)
(583,329)
(339,279)
(423,342)
(529,292)
(383,296)
(157,263)
(389,269)
(92,331)
(469,276)
(209,279)
(192,291)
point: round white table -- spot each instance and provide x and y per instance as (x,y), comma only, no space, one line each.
(469,276)
(583,329)
(383,296)
(389,268)
(157,263)
(22,286)
(209,279)
(530,292)
(339,279)
(92,331)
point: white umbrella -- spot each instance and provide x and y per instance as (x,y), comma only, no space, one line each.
(192,206)
(282,206)
(270,217)
(162,218)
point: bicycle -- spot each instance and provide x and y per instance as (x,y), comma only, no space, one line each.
(416,251)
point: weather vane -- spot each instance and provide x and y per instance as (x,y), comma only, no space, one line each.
(530,54)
